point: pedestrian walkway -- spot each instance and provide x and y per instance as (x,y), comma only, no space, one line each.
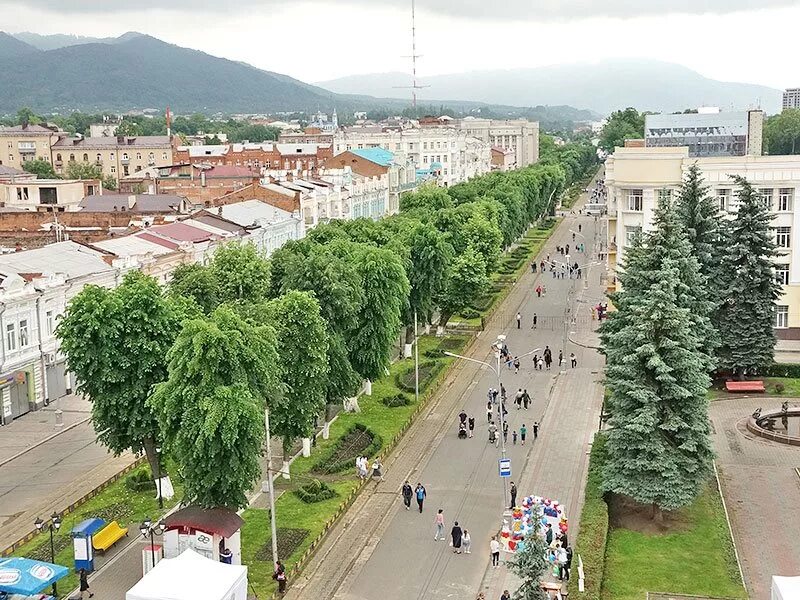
(379,550)
(761,489)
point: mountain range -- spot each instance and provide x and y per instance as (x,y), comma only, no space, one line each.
(602,86)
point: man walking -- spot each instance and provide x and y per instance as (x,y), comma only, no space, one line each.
(471,425)
(513,495)
(519,321)
(526,399)
(494,550)
(420,493)
(548,357)
(573,360)
(407,493)
(533,323)
(539,291)
(523,433)
(489,412)
(535,429)
(439,522)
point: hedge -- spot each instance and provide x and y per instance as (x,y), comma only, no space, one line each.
(396,400)
(591,542)
(315,491)
(782,370)
(428,371)
(140,480)
(342,455)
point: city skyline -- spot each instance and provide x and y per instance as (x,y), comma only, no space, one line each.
(357,38)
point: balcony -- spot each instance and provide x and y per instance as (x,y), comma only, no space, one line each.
(26,147)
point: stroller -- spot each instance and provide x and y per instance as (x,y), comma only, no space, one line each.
(462,431)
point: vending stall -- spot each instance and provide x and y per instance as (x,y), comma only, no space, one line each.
(211,532)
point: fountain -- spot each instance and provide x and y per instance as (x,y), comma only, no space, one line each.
(781,426)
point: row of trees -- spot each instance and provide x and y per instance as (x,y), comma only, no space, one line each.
(43,169)
(782,132)
(697,296)
(193,366)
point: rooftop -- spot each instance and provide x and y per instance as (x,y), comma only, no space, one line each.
(69,258)
(140,203)
(379,156)
(142,141)
(248,213)
(27,129)
(131,245)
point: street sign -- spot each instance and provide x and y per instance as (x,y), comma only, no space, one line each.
(505,467)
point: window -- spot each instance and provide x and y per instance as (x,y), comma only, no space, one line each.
(58,158)
(781,317)
(113,169)
(664,194)
(48,195)
(138,156)
(23,333)
(782,274)
(444,158)
(99,157)
(11,337)
(766,195)
(163,156)
(72,158)
(22,194)
(631,233)
(635,200)
(724,199)
(785,199)
(85,157)
(124,156)
(424,145)
(783,237)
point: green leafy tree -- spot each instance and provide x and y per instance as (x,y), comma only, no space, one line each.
(116,342)
(622,125)
(466,280)
(529,565)
(129,128)
(426,197)
(197,282)
(242,274)
(659,451)
(385,286)
(25,116)
(782,132)
(303,369)
(83,170)
(700,218)
(211,408)
(40,167)
(749,289)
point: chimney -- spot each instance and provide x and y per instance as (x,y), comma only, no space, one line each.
(202,179)
(120,139)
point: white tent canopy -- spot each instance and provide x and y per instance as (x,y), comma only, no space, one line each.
(785,588)
(191,577)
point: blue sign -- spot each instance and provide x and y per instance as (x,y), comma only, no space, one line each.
(505,467)
(28,577)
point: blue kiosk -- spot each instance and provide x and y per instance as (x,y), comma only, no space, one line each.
(82,543)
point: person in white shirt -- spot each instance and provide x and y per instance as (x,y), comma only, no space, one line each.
(494,549)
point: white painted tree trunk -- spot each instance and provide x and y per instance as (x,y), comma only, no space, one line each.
(306,447)
(367,387)
(439,331)
(285,469)
(407,350)
(427,328)
(326,431)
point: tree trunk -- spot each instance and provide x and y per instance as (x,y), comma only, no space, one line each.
(410,334)
(443,319)
(658,514)
(150,453)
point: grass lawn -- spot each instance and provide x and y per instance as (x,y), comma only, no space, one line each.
(115,503)
(697,560)
(290,511)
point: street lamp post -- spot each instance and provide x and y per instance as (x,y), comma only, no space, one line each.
(497,347)
(158,477)
(271,491)
(53,526)
(150,529)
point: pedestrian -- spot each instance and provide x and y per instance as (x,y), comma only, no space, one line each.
(519,321)
(523,433)
(518,399)
(489,411)
(494,551)
(541,363)
(506,595)
(579,227)
(526,399)
(455,538)
(568,563)
(533,267)
(548,357)
(513,495)
(84,583)
(533,323)
(466,542)
(560,358)
(505,431)
(462,416)
(535,429)
(514,437)
(280,576)
(494,395)
(502,392)
(516,365)
(420,493)
(561,559)
(407,493)
(377,470)
(544,290)
(573,360)
(548,534)
(539,291)
(542,266)
(438,520)
(492,433)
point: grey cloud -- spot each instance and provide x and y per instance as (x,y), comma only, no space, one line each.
(543,10)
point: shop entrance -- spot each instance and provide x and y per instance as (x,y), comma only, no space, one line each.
(18,392)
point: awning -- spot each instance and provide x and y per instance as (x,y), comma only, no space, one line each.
(28,577)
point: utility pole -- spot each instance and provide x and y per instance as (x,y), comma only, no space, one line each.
(416,360)
(414,56)
(271,491)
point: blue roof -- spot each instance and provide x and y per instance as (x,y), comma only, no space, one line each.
(379,156)
(28,577)
(87,527)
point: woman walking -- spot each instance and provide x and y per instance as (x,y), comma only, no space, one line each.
(455,538)
(466,542)
(439,522)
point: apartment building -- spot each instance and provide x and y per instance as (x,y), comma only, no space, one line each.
(636,177)
(119,156)
(47,195)
(707,133)
(22,143)
(267,156)
(519,136)
(444,154)
(791,98)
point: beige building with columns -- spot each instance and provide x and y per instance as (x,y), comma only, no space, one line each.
(22,143)
(119,156)
(635,177)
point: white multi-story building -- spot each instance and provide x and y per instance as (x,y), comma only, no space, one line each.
(366,197)
(446,153)
(791,98)
(519,136)
(635,177)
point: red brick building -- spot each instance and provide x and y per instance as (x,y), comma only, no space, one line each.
(273,156)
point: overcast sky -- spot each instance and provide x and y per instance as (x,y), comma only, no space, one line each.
(325,39)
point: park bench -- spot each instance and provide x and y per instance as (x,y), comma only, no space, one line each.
(745,386)
(108,536)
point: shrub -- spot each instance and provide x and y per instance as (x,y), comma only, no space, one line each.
(591,542)
(288,541)
(396,400)
(357,440)
(427,373)
(779,388)
(315,491)
(782,370)
(470,313)
(140,480)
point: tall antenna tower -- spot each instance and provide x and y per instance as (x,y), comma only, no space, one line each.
(414,56)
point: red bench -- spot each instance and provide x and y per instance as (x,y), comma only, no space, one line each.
(745,386)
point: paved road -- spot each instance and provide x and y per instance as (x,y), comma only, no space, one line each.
(762,491)
(53,474)
(382,551)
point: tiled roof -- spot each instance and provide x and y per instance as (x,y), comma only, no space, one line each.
(181,232)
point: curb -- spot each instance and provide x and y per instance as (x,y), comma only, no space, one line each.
(728,521)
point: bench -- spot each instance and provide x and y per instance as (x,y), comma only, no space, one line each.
(745,386)
(108,536)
